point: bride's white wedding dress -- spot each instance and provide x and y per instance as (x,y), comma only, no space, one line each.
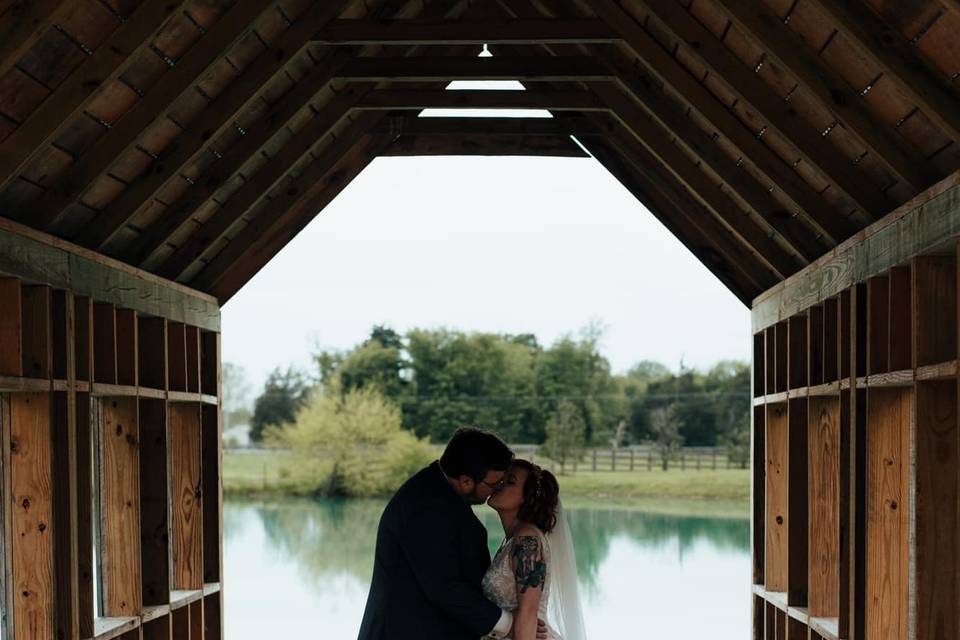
(560,601)
(500,583)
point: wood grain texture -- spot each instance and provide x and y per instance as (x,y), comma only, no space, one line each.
(937,496)
(64,444)
(176,356)
(104,343)
(154,503)
(935,309)
(798,505)
(187,508)
(888,509)
(120,507)
(37,332)
(85,515)
(777,495)
(31,517)
(127,346)
(824,482)
(11,356)
(211,465)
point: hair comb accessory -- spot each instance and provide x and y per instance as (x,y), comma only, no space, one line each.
(538,473)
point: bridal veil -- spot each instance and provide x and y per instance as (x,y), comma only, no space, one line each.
(564,613)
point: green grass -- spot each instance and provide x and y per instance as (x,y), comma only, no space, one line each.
(276,474)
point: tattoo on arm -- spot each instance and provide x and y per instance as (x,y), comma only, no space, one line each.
(528,565)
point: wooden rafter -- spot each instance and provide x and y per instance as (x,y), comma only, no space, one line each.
(23,23)
(408,99)
(751,89)
(432,69)
(406,125)
(472,144)
(739,270)
(104,66)
(256,244)
(899,60)
(451,32)
(642,134)
(790,52)
(124,134)
(219,115)
(263,180)
(669,71)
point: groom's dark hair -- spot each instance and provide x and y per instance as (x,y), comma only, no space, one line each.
(472,452)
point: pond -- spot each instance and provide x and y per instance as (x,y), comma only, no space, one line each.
(299,568)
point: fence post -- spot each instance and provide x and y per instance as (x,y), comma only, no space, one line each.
(613,460)
(649,459)
(594,459)
(631,459)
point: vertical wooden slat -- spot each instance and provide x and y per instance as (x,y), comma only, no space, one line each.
(85,515)
(11,353)
(888,419)
(770,357)
(798,509)
(127,343)
(180,623)
(37,332)
(782,356)
(845,487)
(758,499)
(120,508)
(152,352)
(61,304)
(210,363)
(824,482)
(154,503)
(777,494)
(104,343)
(935,309)
(770,622)
(937,494)
(815,341)
(176,356)
(845,333)
(878,324)
(186,515)
(65,515)
(758,365)
(831,340)
(901,341)
(196,620)
(757,606)
(83,337)
(213,616)
(158,629)
(192,340)
(212,493)
(31,518)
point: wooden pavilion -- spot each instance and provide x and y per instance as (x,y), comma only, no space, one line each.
(155,154)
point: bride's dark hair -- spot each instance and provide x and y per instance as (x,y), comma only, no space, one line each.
(541,495)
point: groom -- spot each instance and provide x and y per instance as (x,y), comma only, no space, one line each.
(432,550)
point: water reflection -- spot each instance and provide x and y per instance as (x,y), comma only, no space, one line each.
(304,565)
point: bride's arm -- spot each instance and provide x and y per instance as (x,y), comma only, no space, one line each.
(530,571)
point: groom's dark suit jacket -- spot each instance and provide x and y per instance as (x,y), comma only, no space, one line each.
(431,557)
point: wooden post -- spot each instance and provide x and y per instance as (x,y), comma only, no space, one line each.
(631,459)
(594,459)
(613,460)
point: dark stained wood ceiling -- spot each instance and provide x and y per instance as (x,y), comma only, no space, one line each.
(195,139)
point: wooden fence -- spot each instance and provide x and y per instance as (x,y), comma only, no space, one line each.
(639,458)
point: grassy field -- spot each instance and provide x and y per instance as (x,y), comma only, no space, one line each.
(275,473)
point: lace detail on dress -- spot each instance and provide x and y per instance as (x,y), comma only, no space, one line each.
(500,585)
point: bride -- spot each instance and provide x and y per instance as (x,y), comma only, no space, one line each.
(534,573)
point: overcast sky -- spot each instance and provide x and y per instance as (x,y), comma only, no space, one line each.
(513,245)
(510,245)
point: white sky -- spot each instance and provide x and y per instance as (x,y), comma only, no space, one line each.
(512,245)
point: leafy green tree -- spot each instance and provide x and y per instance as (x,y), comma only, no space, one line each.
(665,424)
(377,363)
(566,434)
(283,394)
(357,435)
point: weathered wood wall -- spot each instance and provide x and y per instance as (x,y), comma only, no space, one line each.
(110,438)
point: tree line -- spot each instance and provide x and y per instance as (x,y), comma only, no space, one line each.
(563,395)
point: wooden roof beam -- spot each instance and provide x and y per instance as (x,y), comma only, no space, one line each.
(409,99)
(100,69)
(23,23)
(432,69)
(407,125)
(215,118)
(752,90)
(475,144)
(266,235)
(66,192)
(452,32)
(790,52)
(732,263)
(263,180)
(653,136)
(892,52)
